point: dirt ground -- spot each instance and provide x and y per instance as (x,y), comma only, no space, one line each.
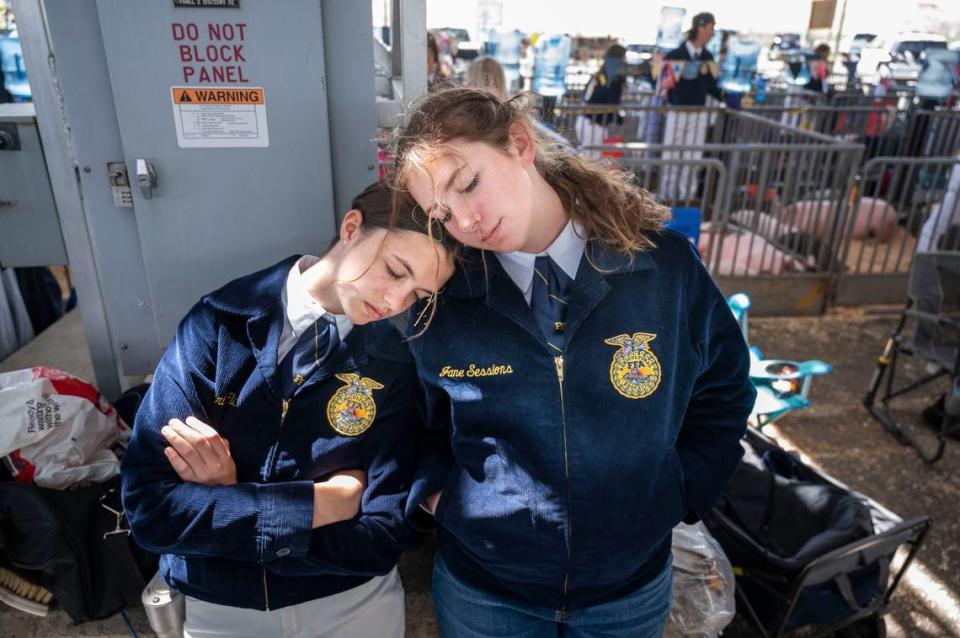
(835,434)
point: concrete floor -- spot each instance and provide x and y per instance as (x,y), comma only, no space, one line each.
(835,434)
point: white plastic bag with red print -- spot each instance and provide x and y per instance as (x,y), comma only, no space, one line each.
(56,430)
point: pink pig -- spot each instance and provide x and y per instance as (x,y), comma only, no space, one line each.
(743,253)
(872,217)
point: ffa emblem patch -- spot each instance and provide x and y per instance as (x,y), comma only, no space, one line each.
(635,371)
(351,409)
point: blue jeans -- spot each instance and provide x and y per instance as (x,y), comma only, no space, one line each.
(464,611)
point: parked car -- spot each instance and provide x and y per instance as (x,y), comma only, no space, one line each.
(898,59)
(784,43)
(853,44)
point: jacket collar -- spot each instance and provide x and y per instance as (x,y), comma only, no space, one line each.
(257,300)
(475,275)
(254,294)
(483,276)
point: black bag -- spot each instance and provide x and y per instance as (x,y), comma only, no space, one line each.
(76,544)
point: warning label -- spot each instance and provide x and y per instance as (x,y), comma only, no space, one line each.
(220,117)
(218,96)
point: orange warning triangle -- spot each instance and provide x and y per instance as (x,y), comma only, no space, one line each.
(185,97)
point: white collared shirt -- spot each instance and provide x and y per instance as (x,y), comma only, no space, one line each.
(301,310)
(693,51)
(566,250)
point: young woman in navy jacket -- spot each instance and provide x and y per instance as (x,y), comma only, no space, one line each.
(564,453)
(274,485)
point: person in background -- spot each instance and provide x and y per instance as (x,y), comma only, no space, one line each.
(691,77)
(487,74)
(606,85)
(820,69)
(604,88)
(434,71)
(696,80)
(527,60)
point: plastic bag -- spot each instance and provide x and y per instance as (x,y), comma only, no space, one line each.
(703,584)
(56,430)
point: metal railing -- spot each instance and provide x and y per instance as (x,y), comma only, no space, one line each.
(933,134)
(903,205)
(881,129)
(774,198)
(674,125)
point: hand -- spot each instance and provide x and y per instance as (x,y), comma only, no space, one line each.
(198,453)
(432,501)
(338,498)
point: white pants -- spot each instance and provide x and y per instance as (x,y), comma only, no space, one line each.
(679,183)
(373,609)
(589,133)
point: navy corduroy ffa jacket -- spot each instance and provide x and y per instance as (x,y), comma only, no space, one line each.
(563,475)
(251,544)
(693,91)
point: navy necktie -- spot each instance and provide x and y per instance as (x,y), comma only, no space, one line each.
(551,289)
(311,351)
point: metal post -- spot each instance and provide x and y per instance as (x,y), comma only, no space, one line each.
(408,51)
(41,63)
(351,105)
(413,47)
(843,16)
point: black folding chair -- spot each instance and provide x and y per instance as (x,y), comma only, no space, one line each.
(933,310)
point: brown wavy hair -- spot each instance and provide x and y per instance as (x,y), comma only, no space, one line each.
(602,197)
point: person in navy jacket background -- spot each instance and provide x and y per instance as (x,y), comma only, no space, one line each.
(605,88)
(565,451)
(693,73)
(698,72)
(275,492)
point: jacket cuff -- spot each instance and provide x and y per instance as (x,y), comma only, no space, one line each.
(286,521)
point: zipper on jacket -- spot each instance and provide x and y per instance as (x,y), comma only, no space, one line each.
(558,362)
(272,459)
(284,407)
(266,592)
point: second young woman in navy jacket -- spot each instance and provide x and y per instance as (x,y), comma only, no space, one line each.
(566,450)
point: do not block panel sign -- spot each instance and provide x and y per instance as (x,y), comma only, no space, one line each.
(220,117)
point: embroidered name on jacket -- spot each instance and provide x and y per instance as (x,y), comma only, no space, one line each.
(473,370)
(229,399)
(351,410)
(635,371)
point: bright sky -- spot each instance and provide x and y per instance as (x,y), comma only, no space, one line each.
(637,21)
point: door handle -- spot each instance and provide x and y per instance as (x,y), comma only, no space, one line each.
(146,178)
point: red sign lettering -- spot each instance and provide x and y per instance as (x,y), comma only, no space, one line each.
(188,31)
(211,61)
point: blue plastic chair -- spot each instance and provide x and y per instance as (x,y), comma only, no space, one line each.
(783,386)
(687,222)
